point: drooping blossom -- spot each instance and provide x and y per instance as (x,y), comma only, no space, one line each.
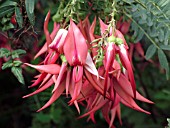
(72,67)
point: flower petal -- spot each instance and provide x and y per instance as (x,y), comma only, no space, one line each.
(125,85)
(55,96)
(59,40)
(68,81)
(61,73)
(45,86)
(109,58)
(90,66)
(77,73)
(103,26)
(126,63)
(127,98)
(91,33)
(47,34)
(50,68)
(40,78)
(118,34)
(52,35)
(75,47)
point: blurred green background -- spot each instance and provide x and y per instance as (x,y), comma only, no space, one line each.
(16,112)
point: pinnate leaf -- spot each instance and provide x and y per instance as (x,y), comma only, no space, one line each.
(150,51)
(163,62)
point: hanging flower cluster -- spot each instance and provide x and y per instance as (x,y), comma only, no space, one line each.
(93,70)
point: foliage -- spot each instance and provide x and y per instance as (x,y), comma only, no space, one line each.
(12,63)
(147,17)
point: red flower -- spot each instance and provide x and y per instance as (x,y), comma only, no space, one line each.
(69,65)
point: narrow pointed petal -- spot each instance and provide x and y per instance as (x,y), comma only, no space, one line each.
(48,76)
(52,35)
(118,112)
(116,101)
(54,96)
(117,69)
(92,28)
(131,50)
(54,58)
(77,106)
(105,112)
(90,66)
(91,32)
(71,90)
(47,34)
(94,84)
(60,76)
(113,115)
(125,27)
(80,25)
(139,49)
(126,63)
(101,70)
(46,60)
(41,51)
(135,106)
(50,68)
(77,73)
(45,86)
(103,26)
(109,58)
(125,85)
(91,117)
(128,99)
(95,108)
(77,89)
(40,79)
(119,23)
(86,91)
(86,24)
(96,101)
(84,28)
(112,92)
(68,81)
(118,34)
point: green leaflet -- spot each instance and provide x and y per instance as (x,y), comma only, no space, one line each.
(150,51)
(17,63)
(5,11)
(29,4)
(4,52)
(163,62)
(17,71)
(165,47)
(7,7)
(7,64)
(17,53)
(8,3)
(19,16)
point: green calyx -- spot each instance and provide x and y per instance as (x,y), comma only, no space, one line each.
(113,39)
(118,41)
(63,58)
